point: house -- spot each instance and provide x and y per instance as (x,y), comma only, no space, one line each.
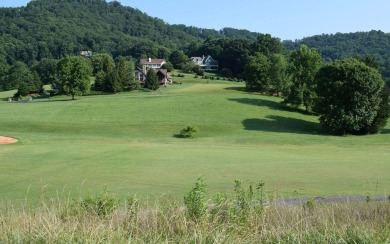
(156,64)
(164,77)
(206,63)
(162,74)
(197,60)
(150,63)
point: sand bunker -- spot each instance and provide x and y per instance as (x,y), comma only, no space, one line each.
(7,140)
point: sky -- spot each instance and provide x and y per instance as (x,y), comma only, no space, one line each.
(285,19)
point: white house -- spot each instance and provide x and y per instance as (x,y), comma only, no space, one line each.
(150,63)
(206,63)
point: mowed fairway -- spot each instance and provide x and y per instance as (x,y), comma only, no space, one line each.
(126,143)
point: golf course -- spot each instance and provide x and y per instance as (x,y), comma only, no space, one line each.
(128,143)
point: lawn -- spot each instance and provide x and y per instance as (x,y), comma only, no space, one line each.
(126,143)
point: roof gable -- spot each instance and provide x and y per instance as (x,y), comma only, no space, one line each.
(151,61)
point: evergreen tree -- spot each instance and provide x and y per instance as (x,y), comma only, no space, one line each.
(151,81)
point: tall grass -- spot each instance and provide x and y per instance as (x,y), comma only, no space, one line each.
(167,221)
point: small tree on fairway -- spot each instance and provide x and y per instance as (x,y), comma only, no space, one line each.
(73,75)
(349,96)
(151,81)
(189,131)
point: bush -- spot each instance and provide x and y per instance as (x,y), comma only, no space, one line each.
(195,200)
(188,131)
(101,205)
(226,72)
(199,72)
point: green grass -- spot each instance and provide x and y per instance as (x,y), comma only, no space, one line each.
(126,143)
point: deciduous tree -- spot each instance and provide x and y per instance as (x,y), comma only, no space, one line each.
(304,65)
(349,96)
(257,72)
(74,75)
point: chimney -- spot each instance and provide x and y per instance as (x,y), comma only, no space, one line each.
(150,60)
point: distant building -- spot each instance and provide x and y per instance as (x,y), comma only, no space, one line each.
(156,64)
(206,63)
(86,54)
(151,63)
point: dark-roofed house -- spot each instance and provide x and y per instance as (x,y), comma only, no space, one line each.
(150,63)
(156,64)
(163,77)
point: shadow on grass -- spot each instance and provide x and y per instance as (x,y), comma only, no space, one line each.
(270,104)
(385,131)
(283,125)
(237,88)
(5,99)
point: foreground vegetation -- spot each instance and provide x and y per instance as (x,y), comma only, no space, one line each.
(233,220)
(128,143)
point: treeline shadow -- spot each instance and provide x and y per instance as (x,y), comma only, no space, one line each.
(281,124)
(269,104)
(237,88)
(385,131)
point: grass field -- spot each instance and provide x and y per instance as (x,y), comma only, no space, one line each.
(127,144)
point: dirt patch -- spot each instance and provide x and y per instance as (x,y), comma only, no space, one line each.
(7,140)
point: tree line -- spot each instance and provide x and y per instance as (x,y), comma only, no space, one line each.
(347,45)
(39,44)
(71,75)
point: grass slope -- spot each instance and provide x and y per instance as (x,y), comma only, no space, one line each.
(126,142)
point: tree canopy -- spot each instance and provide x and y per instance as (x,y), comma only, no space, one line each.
(74,75)
(151,81)
(375,44)
(304,65)
(349,96)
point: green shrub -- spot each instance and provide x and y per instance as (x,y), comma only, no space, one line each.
(189,131)
(199,72)
(195,200)
(101,205)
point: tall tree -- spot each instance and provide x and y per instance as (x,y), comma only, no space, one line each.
(74,75)
(47,70)
(178,58)
(267,45)
(102,62)
(257,72)
(151,81)
(125,71)
(349,96)
(278,72)
(304,65)
(18,73)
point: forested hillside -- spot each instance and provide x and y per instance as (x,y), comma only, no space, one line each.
(57,28)
(54,28)
(340,46)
